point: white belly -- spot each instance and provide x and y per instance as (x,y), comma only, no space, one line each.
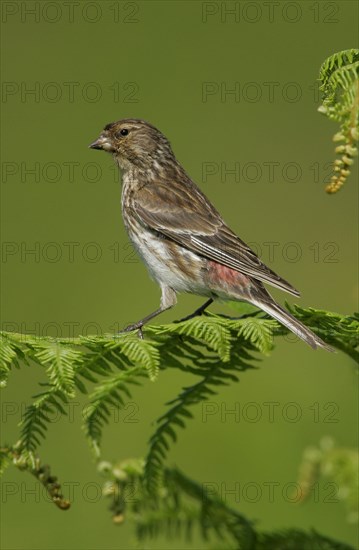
(163,267)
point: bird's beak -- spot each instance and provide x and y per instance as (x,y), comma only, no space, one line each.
(103,142)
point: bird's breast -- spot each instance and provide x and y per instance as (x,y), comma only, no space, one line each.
(168,262)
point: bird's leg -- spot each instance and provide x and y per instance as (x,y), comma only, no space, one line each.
(168,300)
(138,326)
(198,311)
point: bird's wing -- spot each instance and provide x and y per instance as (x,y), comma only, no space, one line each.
(184,214)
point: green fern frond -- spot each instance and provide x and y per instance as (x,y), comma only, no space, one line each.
(168,522)
(105,397)
(207,330)
(216,515)
(165,431)
(38,415)
(186,508)
(98,359)
(341,331)
(213,375)
(260,332)
(8,357)
(212,348)
(60,362)
(339,76)
(119,351)
(141,352)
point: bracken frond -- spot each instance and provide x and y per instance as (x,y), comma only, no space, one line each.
(60,361)
(339,77)
(106,397)
(46,406)
(212,351)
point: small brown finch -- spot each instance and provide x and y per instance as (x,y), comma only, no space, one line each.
(181,237)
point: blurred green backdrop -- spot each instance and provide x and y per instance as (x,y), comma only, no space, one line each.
(233,86)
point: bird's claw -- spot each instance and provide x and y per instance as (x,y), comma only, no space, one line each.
(135,326)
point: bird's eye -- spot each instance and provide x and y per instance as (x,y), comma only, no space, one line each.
(124,132)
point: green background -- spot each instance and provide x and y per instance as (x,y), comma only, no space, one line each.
(154,62)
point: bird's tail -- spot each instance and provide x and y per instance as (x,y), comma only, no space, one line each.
(284,317)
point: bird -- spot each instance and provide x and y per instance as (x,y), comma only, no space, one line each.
(181,237)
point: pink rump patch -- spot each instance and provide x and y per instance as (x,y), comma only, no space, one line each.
(220,274)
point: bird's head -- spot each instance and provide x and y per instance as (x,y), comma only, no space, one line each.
(134,142)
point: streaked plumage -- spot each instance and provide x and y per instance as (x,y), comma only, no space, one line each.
(181,237)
